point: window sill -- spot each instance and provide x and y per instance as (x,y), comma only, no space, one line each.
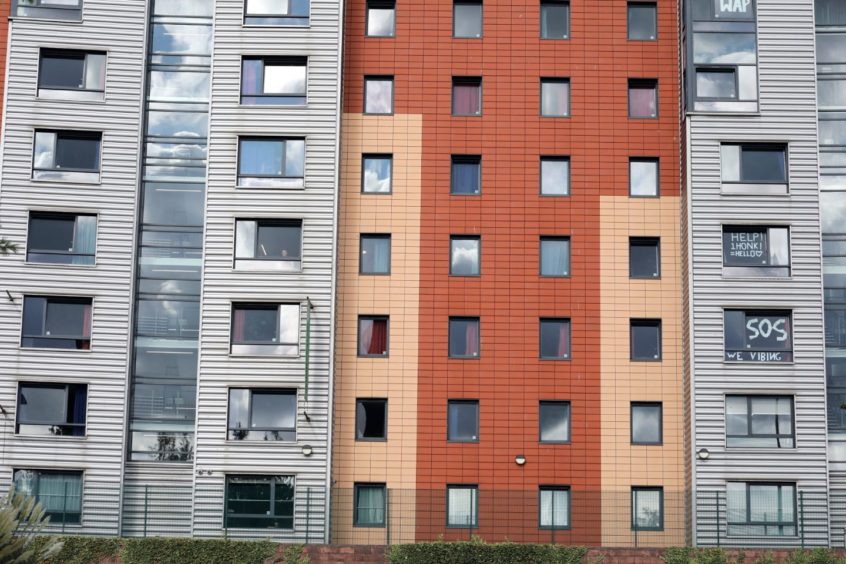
(273,106)
(45,438)
(764,450)
(294,443)
(273,26)
(253,355)
(54,349)
(83,96)
(67,181)
(754,189)
(63,265)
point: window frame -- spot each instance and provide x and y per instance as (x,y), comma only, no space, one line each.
(481,19)
(288,16)
(568,405)
(551,3)
(464,159)
(68,389)
(66,472)
(373,317)
(86,94)
(380,5)
(639,159)
(374,236)
(646,322)
(553,526)
(49,11)
(761,312)
(385,156)
(765,524)
(383,78)
(554,238)
(750,434)
(475,81)
(357,486)
(271,501)
(468,318)
(556,80)
(756,187)
(554,159)
(474,506)
(558,320)
(643,84)
(83,300)
(247,305)
(464,401)
(255,262)
(478,239)
(361,438)
(39,214)
(639,241)
(293,182)
(716,69)
(632,3)
(660,406)
(274,60)
(634,491)
(78,175)
(778,271)
(266,390)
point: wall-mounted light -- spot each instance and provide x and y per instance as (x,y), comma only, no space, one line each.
(520,460)
(307,450)
(703,454)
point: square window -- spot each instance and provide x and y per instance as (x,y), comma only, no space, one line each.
(643,178)
(647,509)
(762,509)
(268,244)
(369,510)
(758,336)
(371,419)
(754,164)
(373,335)
(716,83)
(467,20)
(71,75)
(759,422)
(265,329)
(465,255)
(644,257)
(463,421)
(464,337)
(554,421)
(555,20)
(643,98)
(555,176)
(554,506)
(56,323)
(555,339)
(48,9)
(275,12)
(274,81)
(58,492)
(381,18)
(647,423)
(376,174)
(756,251)
(463,506)
(466,96)
(645,339)
(56,410)
(555,256)
(642,21)
(262,414)
(555,97)
(71,156)
(259,502)
(271,162)
(378,95)
(466,175)
(61,238)
(375,257)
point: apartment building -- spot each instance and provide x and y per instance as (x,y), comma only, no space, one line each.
(509,358)
(169,174)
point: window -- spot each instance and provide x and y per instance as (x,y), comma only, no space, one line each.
(759,422)
(555,176)
(643,98)
(554,421)
(466,175)
(555,97)
(758,336)
(262,414)
(554,507)
(276,12)
(644,257)
(647,509)
(56,323)
(756,251)
(372,335)
(716,83)
(466,96)
(266,329)
(555,339)
(381,18)
(371,419)
(754,164)
(71,156)
(554,20)
(59,493)
(74,75)
(645,339)
(464,337)
(463,506)
(467,19)
(465,255)
(642,21)
(268,244)
(643,177)
(647,423)
(51,409)
(463,421)
(376,174)
(375,257)
(378,94)
(761,509)
(48,9)
(274,80)
(271,162)
(829,12)
(369,508)
(61,238)
(555,256)
(259,502)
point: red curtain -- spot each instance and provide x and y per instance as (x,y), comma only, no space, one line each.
(378,337)
(466,99)
(472,339)
(238,326)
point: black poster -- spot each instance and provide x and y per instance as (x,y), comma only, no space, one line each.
(745,248)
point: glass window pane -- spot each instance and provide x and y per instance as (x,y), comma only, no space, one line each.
(466,177)
(178,39)
(466,99)
(289,324)
(462,506)
(376,175)
(45,156)
(267,7)
(555,177)
(644,258)
(830,12)
(261,157)
(294,158)
(239,408)
(646,340)
(554,339)
(646,423)
(643,99)
(465,254)
(647,510)
(62,70)
(273,410)
(173,204)
(278,241)
(380,22)
(643,177)
(555,98)
(762,164)
(831,93)
(95,71)
(463,421)
(831,48)
(191,125)
(371,419)
(373,336)
(200,8)
(468,20)
(716,84)
(724,48)
(833,212)
(730,163)
(285,79)
(42,404)
(555,20)
(554,420)
(378,95)
(67,319)
(51,233)
(554,257)
(179,86)
(77,152)
(255,325)
(642,21)
(369,505)
(375,254)
(555,507)
(737,415)
(464,338)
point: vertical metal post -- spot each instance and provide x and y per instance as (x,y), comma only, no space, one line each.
(146,502)
(634,518)
(64,507)
(387,517)
(802,517)
(308,510)
(552,523)
(307,344)
(717,513)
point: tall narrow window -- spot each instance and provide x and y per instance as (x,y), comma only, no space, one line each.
(555,97)
(554,19)
(463,506)
(369,510)
(643,177)
(555,176)
(644,257)
(467,19)
(268,244)
(466,175)
(647,509)
(372,335)
(463,421)
(56,323)
(74,75)
(555,256)
(554,339)
(276,12)
(642,21)
(371,419)
(262,414)
(51,409)
(554,421)
(71,156)
(274,80)
(259,502)
(265,329)
(643,98)
(647,425)
(58,492)
(381,18)
(271,162)
(378,94)
(375,254)
(465,252)
(645,339)
(554,507)
(61,238)
(376,174)
(464,337)
(466,96)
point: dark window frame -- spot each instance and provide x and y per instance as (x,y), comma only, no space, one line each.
(57,518)
(560,320)
(249,305)
(386,156)
(461,401)
(284,151)
(274,60)
(49,11)
(631,4)
(68,389)
(559,238)
(564,3)
(381,237)
(556,80)
(356,488)
(569,409)
(660,406)
(643,83)
(387,320)
(474,506)
(739,270)
(260,390)
(68,135)
(477,238)
(383,78)
(37,214)
(657,161)
(481,16)
(716,69)
(467,81)
(784,149)
(553,527)
(272,502)
(478,321)
(464,159)
(70,54)
(780,524)
(765,312)
(645,242)
(634,491)
(646,322)
(277,20)
(361,437)
(750,434)
(555,158)
(81,339)
(379,5)
(272,222)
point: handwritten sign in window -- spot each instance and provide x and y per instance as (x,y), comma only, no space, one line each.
(758,336)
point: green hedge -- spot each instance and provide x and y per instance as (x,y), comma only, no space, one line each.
(475,552)
(180,551)
(686,555)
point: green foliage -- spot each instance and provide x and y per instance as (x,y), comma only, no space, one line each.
(765,558)
(7,247)
(21,519)
(84,550)
(815,556)
(295,554)
(687,555)
(158,550)
(479,552)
